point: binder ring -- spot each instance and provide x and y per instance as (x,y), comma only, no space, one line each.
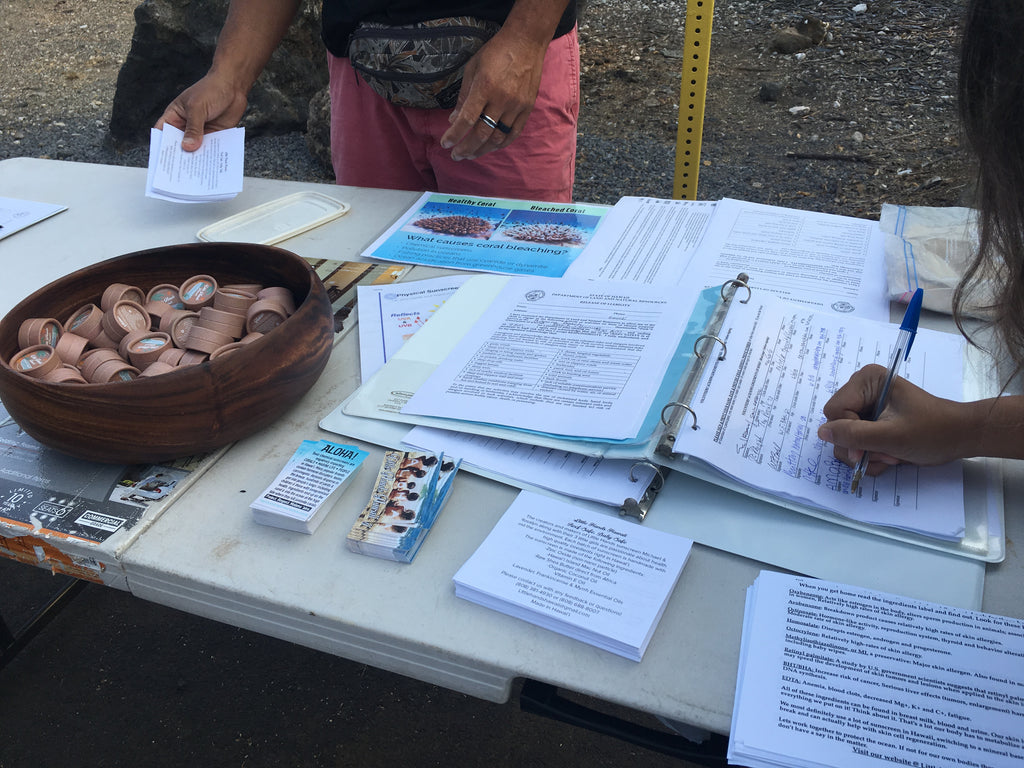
(713,338)
(738,284)
(678,405)
(659,478)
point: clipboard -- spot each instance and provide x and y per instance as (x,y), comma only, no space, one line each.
(373,413)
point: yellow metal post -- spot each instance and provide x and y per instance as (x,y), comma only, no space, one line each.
(692,93)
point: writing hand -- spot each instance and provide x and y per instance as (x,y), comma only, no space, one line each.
(209,105)
(500,81)
(915,427)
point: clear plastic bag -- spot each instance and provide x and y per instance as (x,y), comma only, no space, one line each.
(928,248)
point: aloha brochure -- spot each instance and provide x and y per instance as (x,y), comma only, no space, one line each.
(489,235)
(594,577)
(309,486)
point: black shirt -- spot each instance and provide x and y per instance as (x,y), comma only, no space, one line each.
(340,17)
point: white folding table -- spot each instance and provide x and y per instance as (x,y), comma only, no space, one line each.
(204,554)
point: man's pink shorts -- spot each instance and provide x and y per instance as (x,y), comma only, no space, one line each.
(376,144)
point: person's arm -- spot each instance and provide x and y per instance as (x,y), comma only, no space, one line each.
(916,427)
(502,80)
(252,31)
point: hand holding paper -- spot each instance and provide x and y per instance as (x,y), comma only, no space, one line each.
(212,172)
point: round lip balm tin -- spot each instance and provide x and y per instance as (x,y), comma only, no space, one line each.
(92,360)
(226,349)
(197,292)
(36,361)
(65,374)
(178,324)
(86,321)
(252,288)
(116,292)
(202,339)
(145,347)
(192,357)
(222,321)
(39,330)
(125,316)
(264,316)
(114,370)
(171,356)
(233,300)
(279,294)
(156,369)
(70,347)
(167,294)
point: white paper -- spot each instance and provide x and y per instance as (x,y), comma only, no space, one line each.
(569,357)
(644,240)
(606,481)
(822,260)
(758,412)
(601,579)
(390,314)
(212,172)
(17,214)
(835,675)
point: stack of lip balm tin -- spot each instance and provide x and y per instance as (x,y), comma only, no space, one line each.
(132,333)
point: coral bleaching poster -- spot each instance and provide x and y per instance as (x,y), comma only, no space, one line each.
(515,237)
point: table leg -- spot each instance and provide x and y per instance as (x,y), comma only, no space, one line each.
(544,699)
(14,642)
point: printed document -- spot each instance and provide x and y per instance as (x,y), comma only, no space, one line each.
(645,240)
(758,413)
(390,314)
(569,357)
(516,237)
(606,481)
(597,578)
(836,675)
(819,259)
(17,214)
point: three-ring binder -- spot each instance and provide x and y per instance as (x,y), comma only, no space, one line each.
(674,414)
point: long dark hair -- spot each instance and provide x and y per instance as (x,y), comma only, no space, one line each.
(991,93)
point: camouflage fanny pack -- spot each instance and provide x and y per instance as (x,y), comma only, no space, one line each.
(418,65)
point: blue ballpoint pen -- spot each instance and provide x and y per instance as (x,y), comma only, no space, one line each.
(900,352)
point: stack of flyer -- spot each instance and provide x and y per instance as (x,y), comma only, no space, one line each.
(212,172)
(407,496)
(588,575)
(309,486)
(833,674)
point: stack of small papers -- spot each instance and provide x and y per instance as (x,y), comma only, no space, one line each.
(590,576)
(212,172)
(309,486)
(408,494)
(836,675)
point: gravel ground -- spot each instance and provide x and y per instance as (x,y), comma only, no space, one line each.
(874,122)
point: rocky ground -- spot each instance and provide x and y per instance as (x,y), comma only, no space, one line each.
(865,116)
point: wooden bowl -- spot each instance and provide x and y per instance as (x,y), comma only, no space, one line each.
(189,410)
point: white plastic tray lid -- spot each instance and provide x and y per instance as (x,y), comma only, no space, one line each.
(276,220)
